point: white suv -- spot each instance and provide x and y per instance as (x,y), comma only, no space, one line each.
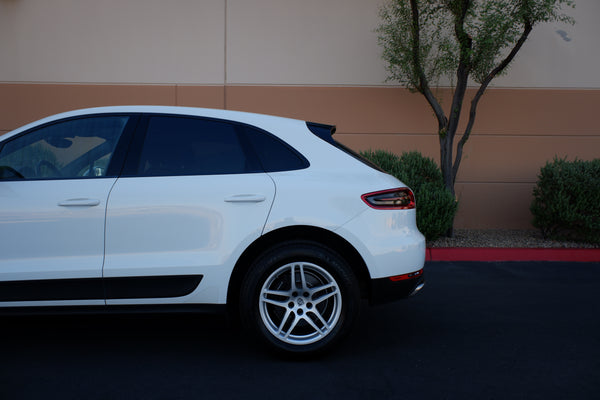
(187,208)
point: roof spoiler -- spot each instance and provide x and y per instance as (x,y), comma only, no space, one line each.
(323,131)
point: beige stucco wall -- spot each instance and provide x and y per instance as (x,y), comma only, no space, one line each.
(305,42)
(281,42)
(112,41)
(314,59)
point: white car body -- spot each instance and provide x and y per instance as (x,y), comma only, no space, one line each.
(92,230)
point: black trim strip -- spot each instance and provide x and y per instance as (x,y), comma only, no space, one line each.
(115,309)
(99,288)
(54,289)
(151,286)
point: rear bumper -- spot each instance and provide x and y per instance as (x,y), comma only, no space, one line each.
(385,290)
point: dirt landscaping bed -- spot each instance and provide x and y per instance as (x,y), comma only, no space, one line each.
(503,238)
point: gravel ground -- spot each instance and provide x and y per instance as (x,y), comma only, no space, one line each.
(503,238)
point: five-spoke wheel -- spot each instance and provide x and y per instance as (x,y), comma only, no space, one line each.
(300,303)
(300,297)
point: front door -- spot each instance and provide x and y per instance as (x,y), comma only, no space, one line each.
(54,186)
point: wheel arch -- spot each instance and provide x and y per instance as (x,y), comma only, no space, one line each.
(293,233)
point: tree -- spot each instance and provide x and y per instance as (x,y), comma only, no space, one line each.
(464,41)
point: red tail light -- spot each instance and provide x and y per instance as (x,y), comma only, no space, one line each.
(406,277)
(393,199)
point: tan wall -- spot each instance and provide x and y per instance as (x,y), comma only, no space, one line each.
(112,41)
(517,131)
(258,42)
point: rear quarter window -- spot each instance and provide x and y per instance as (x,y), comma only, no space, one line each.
(326,132)
(274,154)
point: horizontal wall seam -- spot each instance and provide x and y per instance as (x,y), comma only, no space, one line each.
(75,83)
(296,85)
(480,135)
(495,182)
(400,87)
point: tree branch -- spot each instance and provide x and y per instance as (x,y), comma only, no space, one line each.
(484,84)
(423,86)
(462,77)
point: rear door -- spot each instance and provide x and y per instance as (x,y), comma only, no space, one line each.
(192,197)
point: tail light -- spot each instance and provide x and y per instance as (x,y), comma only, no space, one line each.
(393,199)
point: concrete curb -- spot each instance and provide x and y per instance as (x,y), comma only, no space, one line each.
(511,254)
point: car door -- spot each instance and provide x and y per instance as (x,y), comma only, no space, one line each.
(191,199)
(54,184)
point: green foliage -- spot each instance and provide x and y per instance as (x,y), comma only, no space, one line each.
(566,204)
(399,39)
(434,41)
(436,209)
(436,206)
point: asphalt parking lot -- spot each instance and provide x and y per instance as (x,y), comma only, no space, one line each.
(512,330)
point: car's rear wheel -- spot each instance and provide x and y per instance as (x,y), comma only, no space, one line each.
(300,297)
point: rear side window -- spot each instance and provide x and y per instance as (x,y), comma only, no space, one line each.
(274,154)
(326,132)
(193,146)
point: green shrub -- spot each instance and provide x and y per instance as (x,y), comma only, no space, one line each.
(385,160)
(566,204)
(436,206)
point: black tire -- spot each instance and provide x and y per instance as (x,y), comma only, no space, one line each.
(308,316)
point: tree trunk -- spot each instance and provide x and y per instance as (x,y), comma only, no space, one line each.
(446,167)
(446,161)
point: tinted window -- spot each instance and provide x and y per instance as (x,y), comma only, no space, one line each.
(274,154)
(326,132)
(193,146)
(77,148)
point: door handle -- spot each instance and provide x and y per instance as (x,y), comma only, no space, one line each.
(79,203)
(245,198)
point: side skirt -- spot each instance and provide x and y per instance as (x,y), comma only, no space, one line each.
(99,288)
(110,310)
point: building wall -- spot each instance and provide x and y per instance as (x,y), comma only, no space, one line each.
(317,60)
